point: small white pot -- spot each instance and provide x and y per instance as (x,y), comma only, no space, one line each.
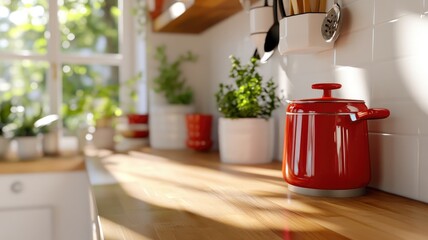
(246,140)
(4,146)
(103,138)
(29,147)
(167,126)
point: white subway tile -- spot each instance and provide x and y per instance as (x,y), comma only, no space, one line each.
(358,15)
(354,49)
(386,10)
(387,80)
(423,169)
(310,63)
(399,38)
(355,82)
(301,84)
(384,44)
(405,118)
(394,160)
(345,3)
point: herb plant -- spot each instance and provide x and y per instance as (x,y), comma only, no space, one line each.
(5,114)
(169,81)
(249,97)
(25,122)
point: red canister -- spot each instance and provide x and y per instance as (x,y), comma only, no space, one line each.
(326,149)
(199,131)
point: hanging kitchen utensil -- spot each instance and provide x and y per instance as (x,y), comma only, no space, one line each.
(282,9)
(272,36)
(256,54)
(315,5)
(306,6)
(322,4)
(332,24)
(296,6)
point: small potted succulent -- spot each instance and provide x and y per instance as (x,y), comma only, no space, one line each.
(167,122)
(105,109)
(246,132)
(26,134)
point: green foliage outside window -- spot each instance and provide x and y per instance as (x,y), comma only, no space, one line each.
(86,27)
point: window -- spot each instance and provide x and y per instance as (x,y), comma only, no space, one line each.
(56,52)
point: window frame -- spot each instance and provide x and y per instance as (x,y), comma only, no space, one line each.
(56,58)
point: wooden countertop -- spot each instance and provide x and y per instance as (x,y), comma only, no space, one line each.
(43,164)
(184,195)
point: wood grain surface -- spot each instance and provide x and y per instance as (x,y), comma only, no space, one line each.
(43,164)
(184,195)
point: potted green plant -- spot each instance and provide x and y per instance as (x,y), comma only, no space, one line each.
(132,127)
(167,122)
(5,119)
(26,134)
(247,106)
(137,122)
(105,108)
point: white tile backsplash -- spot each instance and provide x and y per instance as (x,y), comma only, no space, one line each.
(386,10)
(358,15)
(388,80)
(355,82)
(423,169)
(402,37)
(310,63)
(381,57)
(405,118)
(384,41)
(393,167)
(354,49)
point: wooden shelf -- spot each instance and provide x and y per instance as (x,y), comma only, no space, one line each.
(199,16)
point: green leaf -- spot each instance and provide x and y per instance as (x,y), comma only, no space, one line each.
(169,81)
(249,97)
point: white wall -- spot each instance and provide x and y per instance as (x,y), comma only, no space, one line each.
(379,58)
(196,74)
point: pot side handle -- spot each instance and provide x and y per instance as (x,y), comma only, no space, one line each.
(372,113)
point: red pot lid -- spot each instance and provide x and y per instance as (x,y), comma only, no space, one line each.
(327,103)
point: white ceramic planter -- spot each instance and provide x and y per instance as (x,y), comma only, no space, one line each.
(29,147)
(246,140)
(167,126)
(4,147)
(103,138)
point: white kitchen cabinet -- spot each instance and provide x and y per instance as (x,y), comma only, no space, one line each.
(26,223)
(54,205)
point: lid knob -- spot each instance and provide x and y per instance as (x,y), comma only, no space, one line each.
(327,87)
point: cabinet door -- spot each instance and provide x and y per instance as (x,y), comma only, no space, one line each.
(26,223)
(56,203)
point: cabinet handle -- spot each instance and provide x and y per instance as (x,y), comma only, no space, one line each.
(17,187)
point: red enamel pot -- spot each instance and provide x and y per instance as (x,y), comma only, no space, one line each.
(326,142)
